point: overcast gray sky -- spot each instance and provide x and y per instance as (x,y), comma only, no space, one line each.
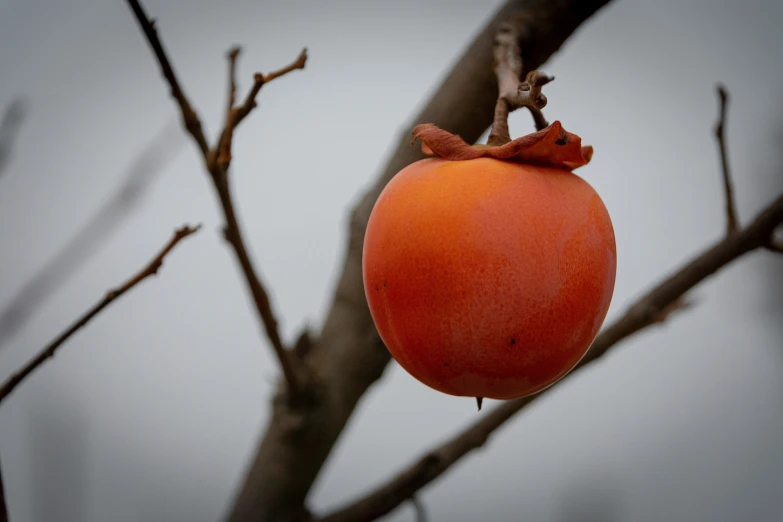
(152,411)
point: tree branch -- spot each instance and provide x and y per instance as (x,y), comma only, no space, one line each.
(263,306)
(259,80)
(235,115)
(644,312)
(217,161)
(732,222)
(224,145)
(49,351)
(189,116)
(137,180)
(348,356)
(513,94)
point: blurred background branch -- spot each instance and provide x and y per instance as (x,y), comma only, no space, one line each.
(139,177)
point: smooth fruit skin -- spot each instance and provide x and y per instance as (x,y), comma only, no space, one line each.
(488,278)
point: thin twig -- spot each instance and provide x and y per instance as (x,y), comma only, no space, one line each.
(9,130)
(136,182)
(224,144)
(299,63)
(219,174)
(49,351)
(732,222)
(645,312)
(259,80)
(511,93)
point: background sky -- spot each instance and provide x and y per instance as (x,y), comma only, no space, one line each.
(152,412)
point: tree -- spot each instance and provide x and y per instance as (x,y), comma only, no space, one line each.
(312,408)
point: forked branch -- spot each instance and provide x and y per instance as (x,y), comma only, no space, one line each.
(111,296)
(217,161)
(235,115)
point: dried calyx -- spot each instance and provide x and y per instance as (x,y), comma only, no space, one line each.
(551,147)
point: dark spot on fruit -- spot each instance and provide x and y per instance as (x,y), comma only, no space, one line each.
(384,283)
(445,364)
(561,141)
(377,288)
(513,341)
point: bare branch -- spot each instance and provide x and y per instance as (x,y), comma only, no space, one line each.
(139,178)
(9,129)
(49,351)
(259,80)
(224,145)
(511,93)
(645,312)
(218,172)
(233,235)
(299,63)
(189,117)
(732,222)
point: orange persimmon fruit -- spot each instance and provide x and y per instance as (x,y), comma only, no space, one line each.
(489,270)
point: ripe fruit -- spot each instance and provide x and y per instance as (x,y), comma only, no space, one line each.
(490,277)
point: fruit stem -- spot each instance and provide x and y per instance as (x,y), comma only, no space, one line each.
(513,94)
